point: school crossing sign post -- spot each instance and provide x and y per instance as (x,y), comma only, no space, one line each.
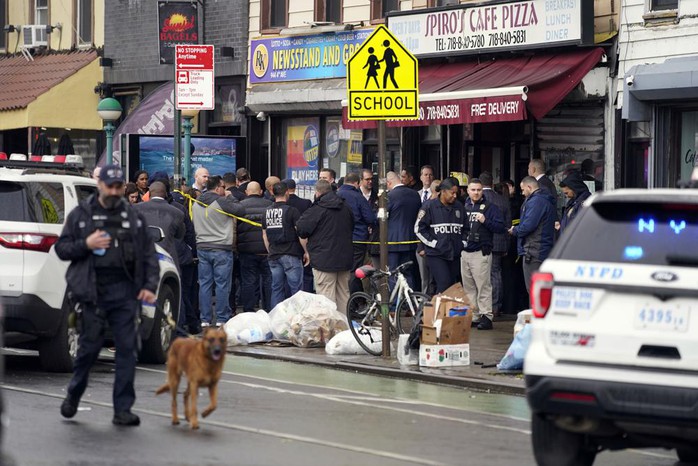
(382,85)
(382,79)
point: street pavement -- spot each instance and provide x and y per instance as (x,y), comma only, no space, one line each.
(487,347)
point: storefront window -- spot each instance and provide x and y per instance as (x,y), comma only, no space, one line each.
(343,148)
(689,143)
(302,137)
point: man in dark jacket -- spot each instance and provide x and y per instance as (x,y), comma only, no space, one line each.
(328,226)
(159,213)
(113,268)
(403,205)
(254,264)
(535,234)
(364,219)
(483,221)
(576,191)
(215,236)
(536,169)
(500,241)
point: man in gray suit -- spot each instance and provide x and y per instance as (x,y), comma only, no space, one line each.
(159,213)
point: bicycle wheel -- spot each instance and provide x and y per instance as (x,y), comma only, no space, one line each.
(363,314)
(408,309)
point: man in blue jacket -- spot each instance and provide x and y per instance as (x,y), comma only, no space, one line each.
(364,219)
(536,230)
(403,206)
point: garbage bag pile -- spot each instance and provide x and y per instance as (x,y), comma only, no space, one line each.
(305,319)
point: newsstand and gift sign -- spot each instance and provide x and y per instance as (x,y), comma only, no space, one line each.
(446,330)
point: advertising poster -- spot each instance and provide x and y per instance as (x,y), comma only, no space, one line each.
(356,149)
(303,152)
(177,25)
(216,154)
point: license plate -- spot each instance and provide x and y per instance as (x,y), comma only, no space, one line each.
(666,317)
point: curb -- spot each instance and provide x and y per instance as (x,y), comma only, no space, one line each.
(504,388)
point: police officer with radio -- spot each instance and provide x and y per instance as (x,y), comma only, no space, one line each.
(440,227)
(484,219)
(113,268)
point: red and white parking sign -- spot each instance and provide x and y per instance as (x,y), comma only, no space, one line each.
(194,77)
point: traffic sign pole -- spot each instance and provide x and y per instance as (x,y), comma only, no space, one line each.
(383,238)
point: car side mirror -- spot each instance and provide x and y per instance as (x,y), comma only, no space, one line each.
(155,233)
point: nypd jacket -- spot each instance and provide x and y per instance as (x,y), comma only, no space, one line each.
(535,234)
(72,246)
(440,228)
(403,205)
(478,236)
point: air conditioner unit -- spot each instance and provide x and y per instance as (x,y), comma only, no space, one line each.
(34,35)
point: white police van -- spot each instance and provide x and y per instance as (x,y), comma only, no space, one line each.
(613,359)
(35,200)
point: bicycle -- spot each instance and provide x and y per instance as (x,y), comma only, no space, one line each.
(364,309)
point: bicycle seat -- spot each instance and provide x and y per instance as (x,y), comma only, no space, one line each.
(364,272)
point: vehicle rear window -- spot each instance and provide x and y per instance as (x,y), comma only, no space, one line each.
(636,232)
(33,202)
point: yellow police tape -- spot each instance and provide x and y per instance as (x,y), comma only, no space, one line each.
(192,199)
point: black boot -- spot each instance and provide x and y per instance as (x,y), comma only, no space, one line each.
(126,418)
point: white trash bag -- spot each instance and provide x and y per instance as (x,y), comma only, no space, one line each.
(283,313)
(316,324)
(248,327)
(345,343)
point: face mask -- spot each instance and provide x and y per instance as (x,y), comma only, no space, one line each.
(111,202)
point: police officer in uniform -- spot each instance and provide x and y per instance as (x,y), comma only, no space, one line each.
(483,220)
(113,268)
(287,253)
(440,227)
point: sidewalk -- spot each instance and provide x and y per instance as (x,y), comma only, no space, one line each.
(486,350)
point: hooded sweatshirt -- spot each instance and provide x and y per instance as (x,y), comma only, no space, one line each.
(214,229)
(575,182)
(328,226)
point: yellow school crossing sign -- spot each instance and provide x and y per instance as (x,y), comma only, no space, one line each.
(382,79)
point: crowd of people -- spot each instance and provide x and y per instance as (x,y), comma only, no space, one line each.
(241,246)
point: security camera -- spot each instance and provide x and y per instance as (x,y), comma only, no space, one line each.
(630,80)
(261,116)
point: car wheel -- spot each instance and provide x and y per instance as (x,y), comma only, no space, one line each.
(687,454)
(157,344)
(553,446)
(58,352)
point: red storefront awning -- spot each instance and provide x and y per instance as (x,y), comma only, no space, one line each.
(505,89)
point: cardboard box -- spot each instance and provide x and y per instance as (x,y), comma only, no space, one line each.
(455,330)
(444,355)
(441,303)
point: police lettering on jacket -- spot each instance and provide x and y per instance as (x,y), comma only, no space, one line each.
(447,228)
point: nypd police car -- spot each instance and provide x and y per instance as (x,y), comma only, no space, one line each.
(35,200)
(613,358)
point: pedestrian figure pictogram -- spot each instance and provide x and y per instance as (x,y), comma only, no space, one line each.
(391,63)
(373,67)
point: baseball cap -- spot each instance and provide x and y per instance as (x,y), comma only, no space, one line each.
(289,182)
(111,174)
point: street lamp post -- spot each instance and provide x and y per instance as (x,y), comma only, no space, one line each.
(109,110)
(187,125)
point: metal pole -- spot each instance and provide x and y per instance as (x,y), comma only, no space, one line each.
(383,234)
(187,126)
(109,129)
(178,150)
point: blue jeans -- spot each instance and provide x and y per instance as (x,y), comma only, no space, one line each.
(285,269)
(215,266)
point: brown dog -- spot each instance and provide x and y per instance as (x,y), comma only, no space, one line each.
(202,362)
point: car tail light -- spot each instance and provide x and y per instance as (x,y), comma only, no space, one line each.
(573,396)
(28,241)
(541,293)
